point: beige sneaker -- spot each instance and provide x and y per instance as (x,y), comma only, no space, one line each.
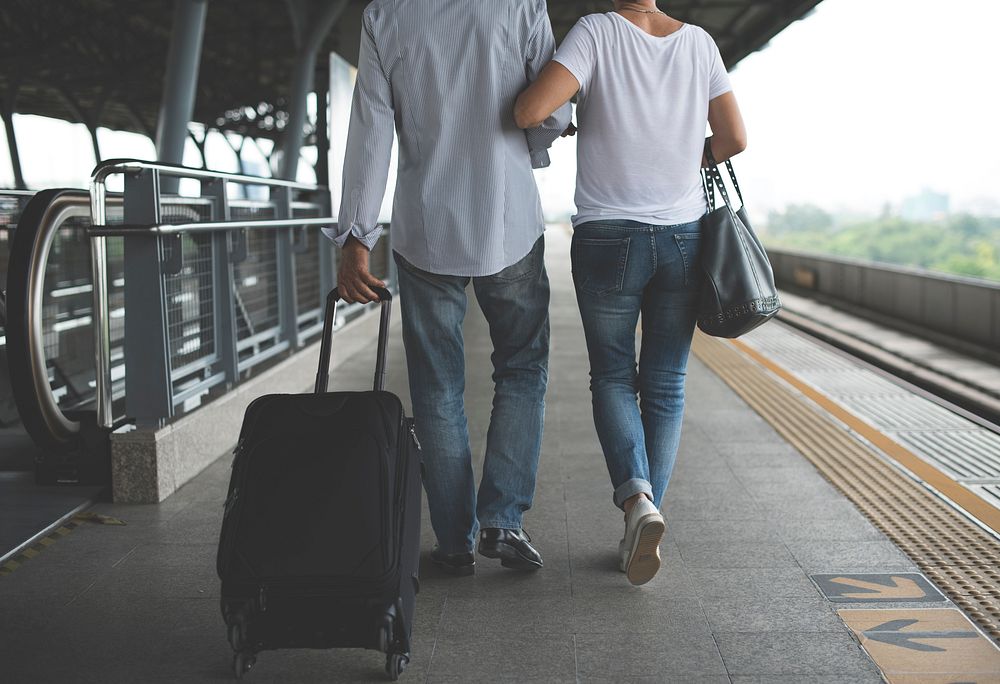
(639,551)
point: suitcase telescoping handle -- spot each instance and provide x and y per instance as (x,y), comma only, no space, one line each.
(323,376)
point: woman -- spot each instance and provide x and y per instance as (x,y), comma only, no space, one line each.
(647,84)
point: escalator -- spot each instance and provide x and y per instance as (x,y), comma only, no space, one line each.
(30,501)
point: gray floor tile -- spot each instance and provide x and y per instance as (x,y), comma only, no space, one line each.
(847,529)
(849,556)
(740,508)
(709,553)
(776,653)
(828,510)
(613,655)
(716,531)
(627,611)
(739,614)
(658,679)
(503,614)
(751,583)
(511,657)
(869,678)
(492,581)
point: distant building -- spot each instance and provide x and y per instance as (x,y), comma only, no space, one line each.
(926,206)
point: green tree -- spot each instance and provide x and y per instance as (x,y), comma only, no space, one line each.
(798,218)
(962,245)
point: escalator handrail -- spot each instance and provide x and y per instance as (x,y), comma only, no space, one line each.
(32,242)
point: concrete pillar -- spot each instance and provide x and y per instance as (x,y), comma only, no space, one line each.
(180,84)
(302,81)
(323,125)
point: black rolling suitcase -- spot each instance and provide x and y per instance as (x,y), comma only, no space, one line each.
(321,533)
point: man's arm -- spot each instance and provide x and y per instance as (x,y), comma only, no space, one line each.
(540,49)
(366,171)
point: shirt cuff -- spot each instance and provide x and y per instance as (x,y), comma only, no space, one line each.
(540,159)
(367,238)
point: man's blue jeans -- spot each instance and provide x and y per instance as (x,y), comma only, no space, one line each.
(624,269)
(516,305)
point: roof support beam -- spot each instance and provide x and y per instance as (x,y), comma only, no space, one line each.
(302,83)
(180,84)
(7,113)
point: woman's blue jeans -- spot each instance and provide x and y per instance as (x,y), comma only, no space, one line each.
(624,270)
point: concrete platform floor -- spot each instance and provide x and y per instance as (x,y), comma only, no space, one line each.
(748,521)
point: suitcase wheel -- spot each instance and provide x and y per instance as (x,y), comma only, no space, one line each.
(395,664)
(384,639)
(236,634)
(243,662)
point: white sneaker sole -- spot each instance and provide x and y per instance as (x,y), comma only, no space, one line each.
(643,561)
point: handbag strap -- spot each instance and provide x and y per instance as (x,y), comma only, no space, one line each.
(712,176)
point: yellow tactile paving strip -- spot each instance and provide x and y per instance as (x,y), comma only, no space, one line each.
(27,553)
(962,559)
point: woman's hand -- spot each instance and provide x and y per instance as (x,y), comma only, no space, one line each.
(569,132)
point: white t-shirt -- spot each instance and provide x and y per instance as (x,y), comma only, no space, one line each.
(643,111)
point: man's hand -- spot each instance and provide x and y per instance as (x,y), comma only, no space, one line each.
(569,132)
(354,282)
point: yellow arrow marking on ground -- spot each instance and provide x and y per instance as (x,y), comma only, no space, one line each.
(902,588)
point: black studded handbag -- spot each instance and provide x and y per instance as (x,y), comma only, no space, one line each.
(738,292)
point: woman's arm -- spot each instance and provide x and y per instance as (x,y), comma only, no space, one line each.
(554,88)
(729,134)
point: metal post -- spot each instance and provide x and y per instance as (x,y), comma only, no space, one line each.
(15,156)
(148,387)
(100,314)
(288,309)
(180,83)
(302,83)
(224,292)
(94,141)
(327,266)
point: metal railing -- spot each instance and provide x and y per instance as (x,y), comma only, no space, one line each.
(966,310)
(207,297)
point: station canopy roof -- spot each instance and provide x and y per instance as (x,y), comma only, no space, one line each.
(102,62)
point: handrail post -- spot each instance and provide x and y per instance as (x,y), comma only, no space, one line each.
(100,315)
(327,266)
(288,310)
(223,282)
(148,386)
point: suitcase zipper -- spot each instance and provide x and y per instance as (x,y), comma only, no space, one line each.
(413,435)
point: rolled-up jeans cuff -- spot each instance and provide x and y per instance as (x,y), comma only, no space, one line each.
(627,490)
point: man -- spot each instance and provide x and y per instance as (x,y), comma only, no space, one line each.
(444,74)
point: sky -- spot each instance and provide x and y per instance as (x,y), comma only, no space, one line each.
(863,102)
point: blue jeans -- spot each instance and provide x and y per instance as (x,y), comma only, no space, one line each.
(624,269)
(516,305)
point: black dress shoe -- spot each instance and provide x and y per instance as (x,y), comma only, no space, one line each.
(462,563)
(512,547)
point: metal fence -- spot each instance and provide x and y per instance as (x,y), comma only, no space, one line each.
(965,309)
(213,287)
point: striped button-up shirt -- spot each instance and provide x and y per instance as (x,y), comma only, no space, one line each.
(444,75)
